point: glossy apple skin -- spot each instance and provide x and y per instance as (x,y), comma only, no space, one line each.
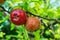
(18,17)
(32,24)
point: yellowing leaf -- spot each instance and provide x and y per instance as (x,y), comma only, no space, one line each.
(16,0)
(57,36)
(41,11)
(57,15)
(11,4)
(37,4)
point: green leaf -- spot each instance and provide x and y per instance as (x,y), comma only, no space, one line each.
(56,26)
(47,32)
(1,14)
(2,34)
(9,36)
(57,36)
(25,6)
(42,27)
(37,4)
(43,14)
(7,17)
(58,15)
(25,0)
(31,5)
(12,26)
(43,39)
(6,5)
(15,7)
(46,21)
(20,28)
(37,35)
(33,11)
(35,0)
(16,1)
(51,13)
(26,37)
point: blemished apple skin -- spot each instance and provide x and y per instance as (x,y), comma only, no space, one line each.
(33,24)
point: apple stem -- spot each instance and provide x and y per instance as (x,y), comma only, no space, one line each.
(4,9)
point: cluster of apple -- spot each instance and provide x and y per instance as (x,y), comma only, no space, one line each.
(19,17)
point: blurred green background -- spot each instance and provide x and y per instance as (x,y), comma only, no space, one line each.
(47,10)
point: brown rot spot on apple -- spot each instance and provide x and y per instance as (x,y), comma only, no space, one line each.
(18,17)
(32,24)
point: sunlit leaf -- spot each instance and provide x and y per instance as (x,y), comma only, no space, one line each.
(12,26)
(16,0)
(2,34)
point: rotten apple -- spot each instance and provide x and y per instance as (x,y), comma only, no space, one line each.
(32,24)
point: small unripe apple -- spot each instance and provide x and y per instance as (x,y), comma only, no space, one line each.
(32,24)
(18,17)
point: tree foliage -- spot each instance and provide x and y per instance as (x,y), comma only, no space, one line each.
(48,11)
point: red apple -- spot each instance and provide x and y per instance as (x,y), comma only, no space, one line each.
(18,17)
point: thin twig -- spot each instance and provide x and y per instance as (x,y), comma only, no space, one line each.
(50,19)
(4,9)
